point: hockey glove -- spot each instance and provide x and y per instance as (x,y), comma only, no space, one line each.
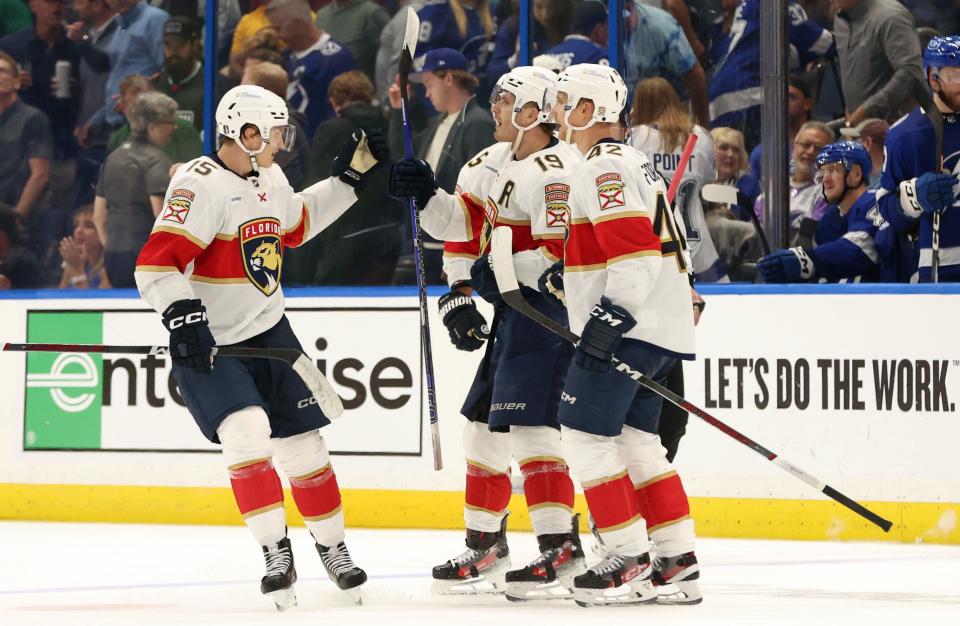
(551,284)
(928,193)
(792,265)
(483,280)
(413,178)
(191,341)
(466,326)
(602,335)
(361,153)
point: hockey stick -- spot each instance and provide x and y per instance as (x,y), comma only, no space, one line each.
(681,167)
(410,35)
(725,194)
(925,99)
(327,399)
(510,293)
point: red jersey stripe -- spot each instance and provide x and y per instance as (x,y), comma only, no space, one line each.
(221,259)
(169,248)
(295,236)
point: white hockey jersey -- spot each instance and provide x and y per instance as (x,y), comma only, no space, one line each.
(493,189)
(220,238)
(702,169)
(626,244)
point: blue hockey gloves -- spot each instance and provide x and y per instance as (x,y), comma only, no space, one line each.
(483,281)
(361,153)
(792,265)
(602,335)
(551,284)
(191,341)
(928,193)
(466,325)
(413,178)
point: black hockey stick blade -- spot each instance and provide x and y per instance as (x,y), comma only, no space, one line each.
(502,253)
(312,377)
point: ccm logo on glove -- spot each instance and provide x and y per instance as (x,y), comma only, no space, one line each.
(189,319)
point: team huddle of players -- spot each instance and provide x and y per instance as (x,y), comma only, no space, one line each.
(596,246)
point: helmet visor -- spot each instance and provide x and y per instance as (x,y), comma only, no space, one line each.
(283,137)
(949,75)
(499,94)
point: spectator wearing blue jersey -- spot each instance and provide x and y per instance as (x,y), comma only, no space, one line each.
(136,48)
(845,249)
(551,22)
(464,25)
(912,189)
(588,42)
(879,58)
(657,46)
(735,92)
(312,59)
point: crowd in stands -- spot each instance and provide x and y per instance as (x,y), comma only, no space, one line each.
(100,100)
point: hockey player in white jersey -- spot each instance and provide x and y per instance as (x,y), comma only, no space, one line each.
(627,292)
(511,409)
(660,126)
(212,267)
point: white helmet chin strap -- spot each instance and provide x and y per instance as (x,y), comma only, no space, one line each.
(264,142)
(522,129)
(570,127)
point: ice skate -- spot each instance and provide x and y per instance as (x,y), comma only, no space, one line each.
(480,569)
(277,583)
(677,579)
(616,580)
(550,576)
(597,546)
(342,570)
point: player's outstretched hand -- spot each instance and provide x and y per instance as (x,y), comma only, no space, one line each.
(361,153)
(786,266)
(550,284)
(413,178)
(935,191)
(191,341)
(483,280)
(466,325)
(602,335)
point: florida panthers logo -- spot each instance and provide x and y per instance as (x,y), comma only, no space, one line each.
(610,191)
(262,252)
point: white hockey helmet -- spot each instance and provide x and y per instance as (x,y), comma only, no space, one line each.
(600,84)
(250,104)
(527,84)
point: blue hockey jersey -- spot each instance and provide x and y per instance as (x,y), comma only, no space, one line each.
(311,73)
(576,49)
(910,152)
(505,46)
(438,29)
(735,85)
(845,248)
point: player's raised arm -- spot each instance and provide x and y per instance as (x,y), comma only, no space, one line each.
(321,204)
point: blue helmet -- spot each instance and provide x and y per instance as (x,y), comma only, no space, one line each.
(847,152)
(942,52)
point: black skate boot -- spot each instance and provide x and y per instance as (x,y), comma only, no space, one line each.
(277,583)
(616,580)
(683,571)
(550,576)
(342,570)
(479,569)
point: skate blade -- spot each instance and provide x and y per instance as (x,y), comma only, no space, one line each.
(624,595)
(524,592)
(679,594)
(355,595)
(283,598)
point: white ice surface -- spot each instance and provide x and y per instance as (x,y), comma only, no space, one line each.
(107,575)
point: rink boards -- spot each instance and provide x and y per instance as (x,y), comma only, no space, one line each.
(856,385)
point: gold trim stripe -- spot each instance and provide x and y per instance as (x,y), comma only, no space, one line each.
(543,459)
(320,518)
(156,268)
(600,481)
(471,507)
(219,281)
(550,505)
(170,230)
(312,474)
(237,466)
(633,520)
(585,268)
(667,524)
(263,509)
(609,217)
(485,468)
(459,255)
(633,255)
(655,479)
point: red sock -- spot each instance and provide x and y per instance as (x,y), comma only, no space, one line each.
(612,503)
(317,495)
(662,500)
(547,481)
(487,490)
(256,487)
